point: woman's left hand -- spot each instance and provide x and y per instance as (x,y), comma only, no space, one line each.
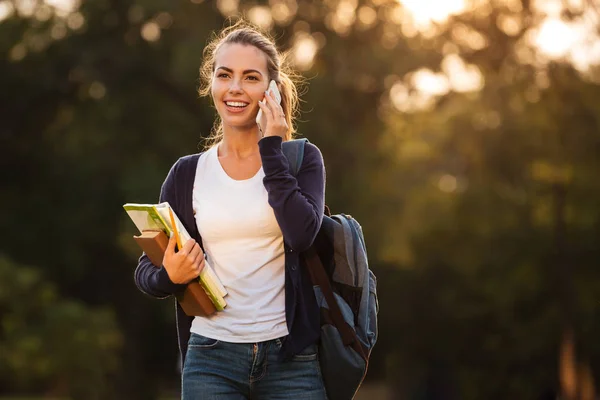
(276,122)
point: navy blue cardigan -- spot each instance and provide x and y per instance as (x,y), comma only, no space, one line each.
(298,203)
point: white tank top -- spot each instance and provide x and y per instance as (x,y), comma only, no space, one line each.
(244,245)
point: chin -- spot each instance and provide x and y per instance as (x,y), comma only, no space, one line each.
(240,124)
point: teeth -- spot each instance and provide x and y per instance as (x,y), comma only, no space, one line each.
(235,104)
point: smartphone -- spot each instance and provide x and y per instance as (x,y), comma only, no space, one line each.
(273,88)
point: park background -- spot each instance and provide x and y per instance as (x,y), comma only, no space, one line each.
(463,134)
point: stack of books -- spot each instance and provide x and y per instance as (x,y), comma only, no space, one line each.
(156,223)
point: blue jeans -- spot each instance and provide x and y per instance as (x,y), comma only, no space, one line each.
(217,370)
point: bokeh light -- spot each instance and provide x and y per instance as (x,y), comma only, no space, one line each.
(228,7)
(6,9)
(261,16)
(63,8)
(304,51)
(150,31)
(426,12)
(447,183)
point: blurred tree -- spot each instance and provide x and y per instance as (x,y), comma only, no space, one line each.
(50,344)
(469,158)
(494,189)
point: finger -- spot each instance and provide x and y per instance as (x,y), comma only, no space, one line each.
(270,103)
(197,262)
(270,100)
(273,105)
(272,96)
(195,270)
(185,250)
(264,106)
(274,100)
(188,246)
(171,245)
(194,252)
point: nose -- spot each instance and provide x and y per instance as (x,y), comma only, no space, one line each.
(235,86)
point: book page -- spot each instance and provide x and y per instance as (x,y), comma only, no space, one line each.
(163,210)
(141,215)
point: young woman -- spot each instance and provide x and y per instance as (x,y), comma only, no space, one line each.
(250,218)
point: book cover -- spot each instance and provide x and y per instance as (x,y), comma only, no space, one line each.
(194,301)
(155,217)
(154,244)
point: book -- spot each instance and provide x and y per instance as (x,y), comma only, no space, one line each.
(194,301)
(156,218)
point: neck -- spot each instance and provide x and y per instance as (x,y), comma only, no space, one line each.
(239,143)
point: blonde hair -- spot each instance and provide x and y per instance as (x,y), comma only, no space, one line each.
(278,68)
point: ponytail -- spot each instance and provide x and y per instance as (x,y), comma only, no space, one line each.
(289,99)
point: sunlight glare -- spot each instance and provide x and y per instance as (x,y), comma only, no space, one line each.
(462,77)
(555,38)
(407,101)
(584,56)
(63,8)
(426,81)
(468,37)
(304,50)
(26,8)
(6,10)
(514,6)
(509,24)
(425,12)
(551,8)
(577,41)
(261,16)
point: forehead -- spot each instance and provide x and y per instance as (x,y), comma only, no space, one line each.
(237,56)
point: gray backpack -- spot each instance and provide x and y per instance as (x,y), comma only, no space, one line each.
(339,269)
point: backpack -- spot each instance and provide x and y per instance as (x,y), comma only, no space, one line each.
(338,268)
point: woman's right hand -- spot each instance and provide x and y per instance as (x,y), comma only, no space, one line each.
(184,265)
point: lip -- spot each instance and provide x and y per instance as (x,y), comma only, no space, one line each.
(233,109)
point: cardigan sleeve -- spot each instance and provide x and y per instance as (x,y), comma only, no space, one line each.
(149,279)
(297,201)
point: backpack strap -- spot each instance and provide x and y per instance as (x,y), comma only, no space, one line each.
(319,277)
(294,152)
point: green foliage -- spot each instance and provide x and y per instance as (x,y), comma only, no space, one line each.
(52,343)
(479,207)
(495,232)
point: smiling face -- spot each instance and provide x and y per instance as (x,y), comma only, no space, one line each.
(239,82)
